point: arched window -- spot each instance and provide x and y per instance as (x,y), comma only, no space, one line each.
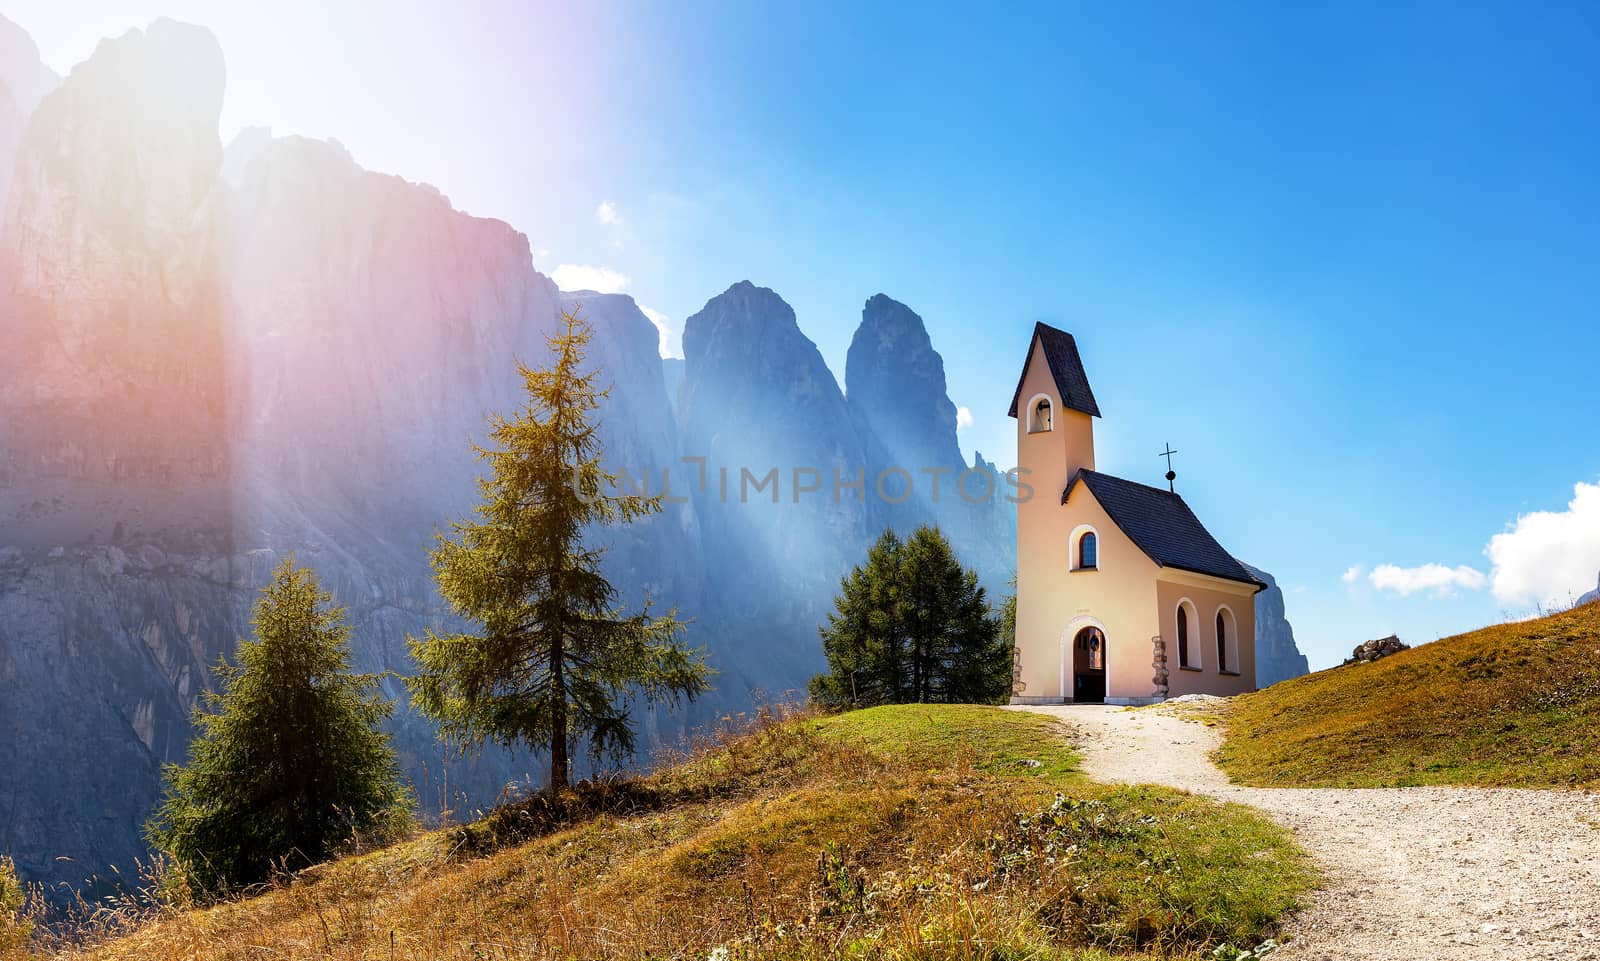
(1227,641)
(1088,551)
(1040,419)
(1183,637)
(1222,642)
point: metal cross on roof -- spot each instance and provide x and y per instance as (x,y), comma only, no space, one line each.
(1172,475)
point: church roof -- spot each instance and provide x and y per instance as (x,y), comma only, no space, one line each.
(1163,526)
(1061,353)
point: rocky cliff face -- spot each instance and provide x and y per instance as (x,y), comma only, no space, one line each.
(1277,656)
(111,367)
(761,408)
(896,389)
(24,80)
(659,556)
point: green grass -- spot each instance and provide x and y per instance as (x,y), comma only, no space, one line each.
(939,735)
(1511,705)
(908,832)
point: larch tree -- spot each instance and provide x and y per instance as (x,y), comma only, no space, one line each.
(290,762)
(556,660)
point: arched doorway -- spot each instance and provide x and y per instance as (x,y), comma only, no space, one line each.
(1089,666)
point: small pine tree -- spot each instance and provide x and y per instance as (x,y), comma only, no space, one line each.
(864,640)
(911,625)
(290,762)
(556,660)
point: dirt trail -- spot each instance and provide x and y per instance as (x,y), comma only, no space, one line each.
(1413,874)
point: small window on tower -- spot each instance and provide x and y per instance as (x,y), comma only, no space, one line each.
(1088,552)
(1041,416)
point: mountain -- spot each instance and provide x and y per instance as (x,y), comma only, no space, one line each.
(117,578)
(1590,597)
(762,415)
(23,74)
(1278,658)
(24,81)
(894,382)
(660,555)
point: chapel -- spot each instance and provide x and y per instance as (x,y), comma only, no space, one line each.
(1123,596)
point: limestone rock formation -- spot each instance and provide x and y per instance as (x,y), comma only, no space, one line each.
(660,555)
(1278,658)
(111,364)
(24,81)
(26,78)
(895,385)
(761,408)
(895,382)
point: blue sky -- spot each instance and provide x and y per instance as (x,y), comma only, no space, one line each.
(1344,257)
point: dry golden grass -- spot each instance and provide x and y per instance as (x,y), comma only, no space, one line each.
(908,832)
(1511,705)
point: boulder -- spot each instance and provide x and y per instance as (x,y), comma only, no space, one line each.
(1590,597)
(1368,651)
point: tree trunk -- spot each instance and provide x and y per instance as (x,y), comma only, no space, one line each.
(559,777)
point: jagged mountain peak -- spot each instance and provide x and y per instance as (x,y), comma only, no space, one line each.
(895,381)
(23,74)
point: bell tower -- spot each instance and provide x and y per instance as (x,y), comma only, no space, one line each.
(1055,412)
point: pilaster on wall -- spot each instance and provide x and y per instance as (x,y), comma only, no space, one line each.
(1158,660)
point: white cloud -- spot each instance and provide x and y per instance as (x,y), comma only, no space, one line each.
(963,418)
(671,342)
(1549,555)
(1352,575)
(607,214)
(1441,580)
(602,280)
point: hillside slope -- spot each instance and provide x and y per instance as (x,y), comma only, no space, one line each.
(1511,705)
(917,831)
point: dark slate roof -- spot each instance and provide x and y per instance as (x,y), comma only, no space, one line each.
(1163,526)
(1061,353)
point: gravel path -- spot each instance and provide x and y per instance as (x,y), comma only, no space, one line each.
(1413,874)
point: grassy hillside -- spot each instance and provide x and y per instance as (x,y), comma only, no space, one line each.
(1512,705)
(906,832)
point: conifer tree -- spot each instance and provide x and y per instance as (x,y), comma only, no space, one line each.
(290,762)
(911,625)
(556,660)
(864,640)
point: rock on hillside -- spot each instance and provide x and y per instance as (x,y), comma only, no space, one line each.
(1278,658)
(1591,597)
